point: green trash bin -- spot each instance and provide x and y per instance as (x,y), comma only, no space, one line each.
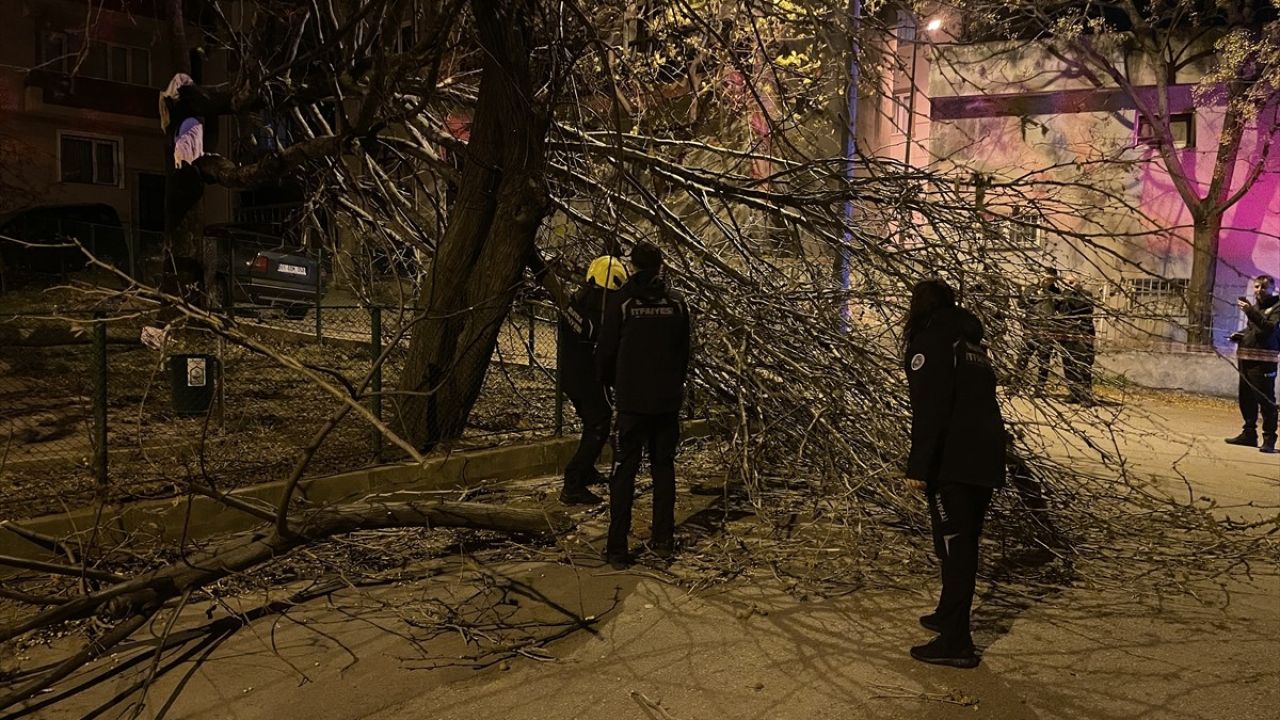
(192,379)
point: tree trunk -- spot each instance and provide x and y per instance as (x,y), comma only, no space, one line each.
(501,202)
(138,598)
(183,221)
(1204,273)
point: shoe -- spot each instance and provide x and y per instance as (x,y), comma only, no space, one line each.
(663,550)
(1268,444)
(595,478)
(617,561)
(935,653)
(579,496)
(930,622)
(1246,439)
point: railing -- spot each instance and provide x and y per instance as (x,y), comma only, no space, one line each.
(124,246)
(87,413)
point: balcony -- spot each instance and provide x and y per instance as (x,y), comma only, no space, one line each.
(95,94)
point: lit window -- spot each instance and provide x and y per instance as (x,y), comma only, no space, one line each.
(1182,127)
(93,161)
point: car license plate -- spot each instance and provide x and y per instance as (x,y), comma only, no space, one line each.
(292,269)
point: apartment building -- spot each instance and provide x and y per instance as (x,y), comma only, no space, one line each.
(79,117)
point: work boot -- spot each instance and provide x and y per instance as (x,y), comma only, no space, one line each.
(579,495)
(1268,444)
(1246,438)
(937,653)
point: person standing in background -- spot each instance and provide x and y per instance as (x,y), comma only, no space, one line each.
(1258,346)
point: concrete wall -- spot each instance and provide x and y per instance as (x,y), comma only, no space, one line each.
(1095,179)
(1205,373)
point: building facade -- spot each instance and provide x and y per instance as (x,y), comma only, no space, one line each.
(79,112)
(1083,163)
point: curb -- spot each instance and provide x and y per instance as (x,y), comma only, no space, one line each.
(198,517)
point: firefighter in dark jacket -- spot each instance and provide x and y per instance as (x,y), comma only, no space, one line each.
(644,356)
(957,454)
(579,330)
(1259,344)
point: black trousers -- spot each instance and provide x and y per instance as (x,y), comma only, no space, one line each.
(592,405)
(660,436)
(1077,366)
(958,512)
(1037,352)
(1257,393)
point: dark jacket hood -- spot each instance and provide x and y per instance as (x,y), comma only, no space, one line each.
(966,324)
(648,284)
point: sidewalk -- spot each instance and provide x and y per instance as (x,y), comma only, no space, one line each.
(751,651)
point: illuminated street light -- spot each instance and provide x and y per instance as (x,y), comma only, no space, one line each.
(930,27)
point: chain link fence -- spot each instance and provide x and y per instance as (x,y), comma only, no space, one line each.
(88,413)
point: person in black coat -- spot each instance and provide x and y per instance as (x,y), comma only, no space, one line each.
(644,356)
(1078,340)
(1040,306)
(1258,347)
(957,454)
(579,327)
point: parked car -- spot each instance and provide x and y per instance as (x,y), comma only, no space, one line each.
(96,226)
(263,269)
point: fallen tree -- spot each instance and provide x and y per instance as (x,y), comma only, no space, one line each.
(454,161)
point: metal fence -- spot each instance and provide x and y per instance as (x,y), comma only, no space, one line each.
(123,245)
(88,413)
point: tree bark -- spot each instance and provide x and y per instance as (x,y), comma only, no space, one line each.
(501,202)
(199,570)
(138,598)
(184,191)
(1204,272)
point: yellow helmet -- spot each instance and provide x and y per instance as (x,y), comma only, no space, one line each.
(607,272)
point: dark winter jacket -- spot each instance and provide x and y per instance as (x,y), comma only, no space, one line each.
(644,346)
(957,434)
(1075,311)
(1260,340)
(1041,304)
(579,329)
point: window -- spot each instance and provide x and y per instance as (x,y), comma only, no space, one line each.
(901,114)
(106,61)
(1182,127)
(89,160)
(53,52)
(906,28)
(1020,231)
(139,66)
(1157,297)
